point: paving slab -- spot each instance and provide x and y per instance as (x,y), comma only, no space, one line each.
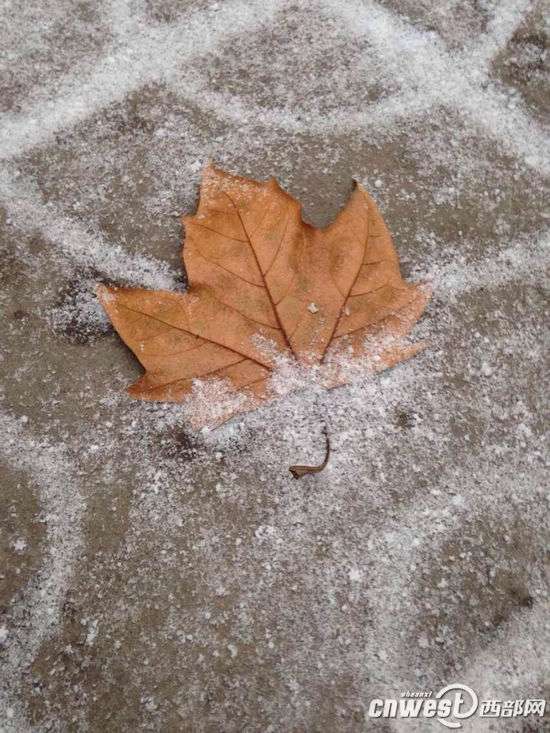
(154,577)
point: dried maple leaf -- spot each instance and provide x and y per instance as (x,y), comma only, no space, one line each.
(264,284)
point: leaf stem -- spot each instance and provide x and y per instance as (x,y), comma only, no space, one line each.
(299,471)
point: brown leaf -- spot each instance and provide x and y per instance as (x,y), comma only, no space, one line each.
(264,283)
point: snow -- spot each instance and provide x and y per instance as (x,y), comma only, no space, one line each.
(192,564)
(19,545)
(45,592)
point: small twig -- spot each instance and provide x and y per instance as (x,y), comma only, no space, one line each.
(299,471)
